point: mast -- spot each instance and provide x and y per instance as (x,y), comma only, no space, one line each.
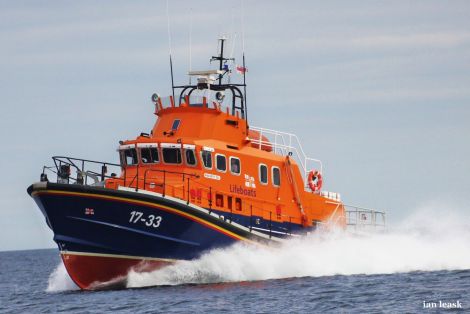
(222,60)
(207,78)
(169,50)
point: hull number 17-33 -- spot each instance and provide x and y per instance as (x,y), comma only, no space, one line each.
(149,221)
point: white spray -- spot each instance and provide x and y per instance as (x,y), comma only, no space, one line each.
(60,280)
(427,241)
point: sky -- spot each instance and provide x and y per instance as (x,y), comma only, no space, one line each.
(378,90)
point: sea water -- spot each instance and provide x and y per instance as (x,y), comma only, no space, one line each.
(421,265)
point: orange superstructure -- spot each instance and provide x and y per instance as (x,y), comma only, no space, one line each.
(203,151)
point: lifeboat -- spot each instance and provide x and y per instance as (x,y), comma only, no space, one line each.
(203,178)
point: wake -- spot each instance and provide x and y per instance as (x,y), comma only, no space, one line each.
(425,242)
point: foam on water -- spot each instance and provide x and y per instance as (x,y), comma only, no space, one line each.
(426,241)
(429,240)
(59,280)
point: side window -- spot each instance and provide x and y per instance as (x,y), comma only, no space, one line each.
(263,174)
(235,165)
(171,155)
(219,200)
(229,202)
(206,159)
(238,204)
(221,162)
(276,176)
(190,157)
(149,155)
(130,156)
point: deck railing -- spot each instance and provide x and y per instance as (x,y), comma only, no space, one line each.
(364,219)
(261,215)
(85,170)
(286,144)
(185,186)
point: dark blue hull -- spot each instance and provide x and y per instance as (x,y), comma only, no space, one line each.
(98,222)
(101,221)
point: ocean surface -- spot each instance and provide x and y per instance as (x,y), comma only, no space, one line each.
(420,267)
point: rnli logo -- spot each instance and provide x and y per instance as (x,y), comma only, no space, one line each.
(250,181)
(89,211)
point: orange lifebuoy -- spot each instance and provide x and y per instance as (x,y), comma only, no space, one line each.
(315,186)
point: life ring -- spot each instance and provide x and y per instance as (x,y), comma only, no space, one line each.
(315,180)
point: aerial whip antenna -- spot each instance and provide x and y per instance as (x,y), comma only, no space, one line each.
(233,39)
(190,37)
(231,53)
(243,55)
(169,49)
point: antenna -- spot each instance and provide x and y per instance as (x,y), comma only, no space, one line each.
(221,60)
(232,38)
(232,59)
(243,55)
(169,49)
(223,67)
(190,37)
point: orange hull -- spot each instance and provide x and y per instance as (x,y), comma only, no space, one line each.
(92,272)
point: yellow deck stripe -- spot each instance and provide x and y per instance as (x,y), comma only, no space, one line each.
(117,256)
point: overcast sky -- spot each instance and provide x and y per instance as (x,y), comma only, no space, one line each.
(378,90)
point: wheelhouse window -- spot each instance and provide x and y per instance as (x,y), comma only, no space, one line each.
(130,156)
(206,159)
(190,157)
(149,155)
(171,155)
(276,176)
(221,162)
(235,167)
(263,174)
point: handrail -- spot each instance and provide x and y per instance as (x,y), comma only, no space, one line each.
(85,160)
(289,144)
(61,163)
(190,182)
(361,217)
(254,209)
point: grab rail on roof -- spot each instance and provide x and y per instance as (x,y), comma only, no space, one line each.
(285,144)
